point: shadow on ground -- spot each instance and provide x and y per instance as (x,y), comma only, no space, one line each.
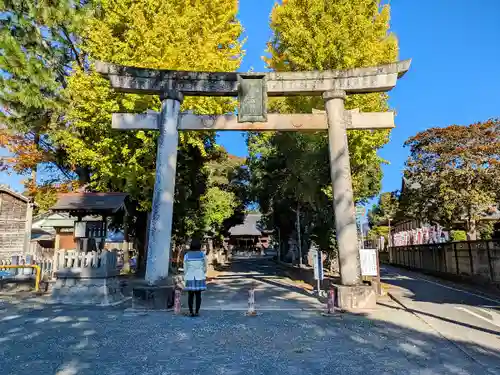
(419,285)
(62,340)
(47,339)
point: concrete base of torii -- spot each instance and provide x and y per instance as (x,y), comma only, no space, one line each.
(355,297)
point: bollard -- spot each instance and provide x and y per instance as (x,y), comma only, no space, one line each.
(330,302)
(177,301)
(251,302)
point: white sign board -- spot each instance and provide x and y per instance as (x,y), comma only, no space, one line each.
(80,229)
(368,259)
(318,265)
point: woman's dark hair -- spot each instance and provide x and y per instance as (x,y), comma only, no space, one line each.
(195,243)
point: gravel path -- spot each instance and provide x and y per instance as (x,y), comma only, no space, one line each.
(47,339)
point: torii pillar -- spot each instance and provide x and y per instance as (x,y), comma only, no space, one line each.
(343,199)
(160,226)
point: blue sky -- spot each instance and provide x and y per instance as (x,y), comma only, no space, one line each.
(454,77)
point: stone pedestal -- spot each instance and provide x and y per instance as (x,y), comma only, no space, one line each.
(355,297)
(87,279)
(156,297)
(77,290)
(153,297)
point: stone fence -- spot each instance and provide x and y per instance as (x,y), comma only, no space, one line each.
(64,260)
(90,264)
(478,261)
(80,278)
(87,278)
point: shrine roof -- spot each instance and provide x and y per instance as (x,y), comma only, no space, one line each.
(250,226)
(99,203)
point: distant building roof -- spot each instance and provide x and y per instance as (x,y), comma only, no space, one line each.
(38,234)
(100,203)
(408,184)
(250,226)
(5,189)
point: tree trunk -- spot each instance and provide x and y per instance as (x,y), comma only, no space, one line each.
(471,230)
(36,141)
(140,230)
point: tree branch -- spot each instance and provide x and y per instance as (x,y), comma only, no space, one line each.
(72,46)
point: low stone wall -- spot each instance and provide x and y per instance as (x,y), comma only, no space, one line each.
(82,291)
(87,279)
(475,261)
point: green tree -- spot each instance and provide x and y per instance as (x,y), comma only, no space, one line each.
(292,170)
(38,40)
(458,235)
(457,169)
(378,231)
(382,214)
(223,204)
(173,34)
(385,210)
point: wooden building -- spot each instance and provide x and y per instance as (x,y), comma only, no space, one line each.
(83,219)
(250,235)
(16,213)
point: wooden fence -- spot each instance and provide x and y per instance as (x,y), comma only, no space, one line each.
(479,260)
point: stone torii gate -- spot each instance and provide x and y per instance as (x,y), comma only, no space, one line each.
(253,90)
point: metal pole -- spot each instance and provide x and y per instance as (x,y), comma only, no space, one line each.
(490,265)
(361,232)
(298,235)
(471,260)
(456,258)
(389,239)
(279,244)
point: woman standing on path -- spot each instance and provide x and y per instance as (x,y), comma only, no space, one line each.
(195,269)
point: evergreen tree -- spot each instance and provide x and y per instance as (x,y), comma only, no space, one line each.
(38,44)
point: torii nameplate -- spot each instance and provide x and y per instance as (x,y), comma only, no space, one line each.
(252,98)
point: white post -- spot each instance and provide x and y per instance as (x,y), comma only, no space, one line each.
(299,239)
(28,224)
(160,226)
(343,201)
(361,232)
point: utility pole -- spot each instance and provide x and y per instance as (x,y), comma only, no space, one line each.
(298,234)
(361,232)
(389,240)
(279,245)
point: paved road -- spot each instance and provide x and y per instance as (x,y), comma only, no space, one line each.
(458,313)
(273,290)
(290,337)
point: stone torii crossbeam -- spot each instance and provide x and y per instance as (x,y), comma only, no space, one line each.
(253,90)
